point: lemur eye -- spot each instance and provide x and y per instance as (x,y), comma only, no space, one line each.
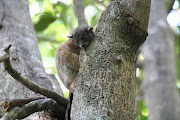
(76,41)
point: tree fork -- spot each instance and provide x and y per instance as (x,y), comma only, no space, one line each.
(106,80)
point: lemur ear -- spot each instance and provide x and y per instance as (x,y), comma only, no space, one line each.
(69,36)
(90,29)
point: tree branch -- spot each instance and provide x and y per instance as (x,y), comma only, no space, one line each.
(79,11)
(32,107)
(8,105)
(31,85)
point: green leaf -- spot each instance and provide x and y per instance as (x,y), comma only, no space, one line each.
(177,52)
(44,20)
(141,110)
(178,27)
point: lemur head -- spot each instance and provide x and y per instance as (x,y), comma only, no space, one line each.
(82,36)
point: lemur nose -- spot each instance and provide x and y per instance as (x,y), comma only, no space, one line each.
(81,46)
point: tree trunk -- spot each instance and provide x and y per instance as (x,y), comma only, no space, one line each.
(159,83)
(17,29)
(105,87)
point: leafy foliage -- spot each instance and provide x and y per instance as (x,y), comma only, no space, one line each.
(142,111)
(44,20)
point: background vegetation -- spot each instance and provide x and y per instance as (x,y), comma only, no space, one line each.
(54,20)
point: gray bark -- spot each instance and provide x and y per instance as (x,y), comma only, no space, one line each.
(159,86)
(17,29)
(105,87)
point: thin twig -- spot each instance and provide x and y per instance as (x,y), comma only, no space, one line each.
(8,105)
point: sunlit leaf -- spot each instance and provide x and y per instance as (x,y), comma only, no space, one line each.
(44,20)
